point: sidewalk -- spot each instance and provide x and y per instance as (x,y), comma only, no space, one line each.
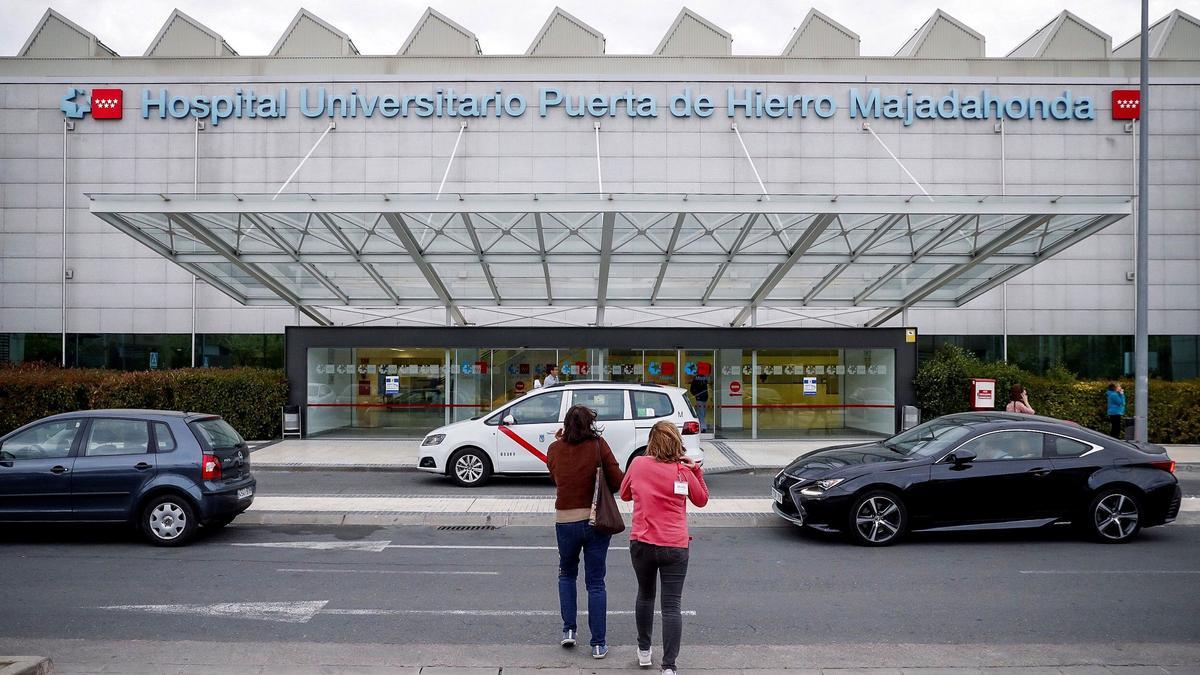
(136,657)
(401,454)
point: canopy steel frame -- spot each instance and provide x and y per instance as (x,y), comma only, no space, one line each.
(573,239)
(396,221)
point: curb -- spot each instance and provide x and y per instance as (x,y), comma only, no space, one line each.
(412,468)
(26,665)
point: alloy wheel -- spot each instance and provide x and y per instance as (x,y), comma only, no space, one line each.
(168,520)
(469,468)
(878,519)
(1116,516)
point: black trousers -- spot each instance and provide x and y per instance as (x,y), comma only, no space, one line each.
(1114,422)
(649,563)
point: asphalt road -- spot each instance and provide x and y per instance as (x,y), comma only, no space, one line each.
(751,586)
(735,484)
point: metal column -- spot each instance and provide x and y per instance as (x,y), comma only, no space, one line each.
(1141,350)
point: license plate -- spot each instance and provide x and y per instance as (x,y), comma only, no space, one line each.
(777,496)
(245,493)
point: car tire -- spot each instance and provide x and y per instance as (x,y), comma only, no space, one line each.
(877,518)
(470,467)
(1114,516)
(634,455)
(168,520)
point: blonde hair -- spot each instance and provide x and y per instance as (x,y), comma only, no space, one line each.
(666,445)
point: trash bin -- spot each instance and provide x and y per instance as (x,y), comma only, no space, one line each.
(292,425)
(1129,428)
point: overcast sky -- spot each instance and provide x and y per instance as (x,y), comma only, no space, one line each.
(630,26)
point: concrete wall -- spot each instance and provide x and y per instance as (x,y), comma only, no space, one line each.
(120,286)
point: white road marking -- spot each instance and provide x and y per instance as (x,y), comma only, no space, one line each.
(490,548)
(373,546)
(342,571)
(303,611)
(1110,571)
(284,612)
(471,612)
(1190,504)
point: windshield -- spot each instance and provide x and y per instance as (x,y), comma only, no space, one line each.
(929,439)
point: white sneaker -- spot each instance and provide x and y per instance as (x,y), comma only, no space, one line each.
(644,657)
(669,671)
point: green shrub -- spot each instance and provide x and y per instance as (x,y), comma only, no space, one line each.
(943,382)
(248,398)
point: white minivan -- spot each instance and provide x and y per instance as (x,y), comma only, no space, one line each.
(514,438)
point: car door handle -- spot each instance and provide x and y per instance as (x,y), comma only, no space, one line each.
(59,469)
(141,466)
(1039,471)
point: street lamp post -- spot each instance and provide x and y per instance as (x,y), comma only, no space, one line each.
(1141,350)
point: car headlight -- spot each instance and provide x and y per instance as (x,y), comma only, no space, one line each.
(433,439)
(819,488)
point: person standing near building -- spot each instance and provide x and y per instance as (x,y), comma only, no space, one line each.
(660,484)
(572,461)
(699,389)
(551,376)
(1018,400)
(1116,408)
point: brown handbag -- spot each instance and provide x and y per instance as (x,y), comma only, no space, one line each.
(605,516)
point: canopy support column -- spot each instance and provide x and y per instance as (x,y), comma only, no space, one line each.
(606,245)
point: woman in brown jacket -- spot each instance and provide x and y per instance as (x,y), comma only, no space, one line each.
(572,460)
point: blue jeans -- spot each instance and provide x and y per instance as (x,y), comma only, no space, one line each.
(573,538)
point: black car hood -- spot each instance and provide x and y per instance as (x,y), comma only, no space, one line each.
(840,460)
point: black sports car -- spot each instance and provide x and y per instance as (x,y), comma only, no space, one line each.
(989,470)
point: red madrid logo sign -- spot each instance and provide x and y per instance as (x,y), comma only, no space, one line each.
(107,104)
(1126,104)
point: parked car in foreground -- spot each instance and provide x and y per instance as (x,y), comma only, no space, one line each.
(514,438)
(168,473)
(987,470)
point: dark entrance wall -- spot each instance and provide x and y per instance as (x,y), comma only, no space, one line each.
(299,339)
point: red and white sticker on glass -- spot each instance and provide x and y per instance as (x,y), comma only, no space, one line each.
(1126,104)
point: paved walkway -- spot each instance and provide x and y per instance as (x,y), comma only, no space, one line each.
(401,454)
(136,657)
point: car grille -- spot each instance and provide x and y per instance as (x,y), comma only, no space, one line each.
(1173,507)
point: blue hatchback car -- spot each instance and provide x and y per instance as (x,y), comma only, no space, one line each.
(167,473)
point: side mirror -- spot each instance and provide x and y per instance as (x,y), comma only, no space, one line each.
(508,420)
(962,456)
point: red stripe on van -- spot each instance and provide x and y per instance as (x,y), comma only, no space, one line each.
(523,443)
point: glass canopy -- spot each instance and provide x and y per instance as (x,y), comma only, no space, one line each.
(614,250)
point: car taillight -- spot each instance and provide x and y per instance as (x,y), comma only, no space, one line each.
(691,428)
(210,468)
(1167,465)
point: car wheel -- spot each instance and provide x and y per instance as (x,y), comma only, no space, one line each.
(168,520)
(1115,516)
(878,518)
(636,453)
(470,467)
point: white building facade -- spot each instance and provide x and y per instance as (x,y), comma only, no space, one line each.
(439,121)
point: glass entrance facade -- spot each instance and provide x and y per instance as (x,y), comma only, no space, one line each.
(738,393)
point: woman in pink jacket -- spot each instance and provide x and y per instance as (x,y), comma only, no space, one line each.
(660,484)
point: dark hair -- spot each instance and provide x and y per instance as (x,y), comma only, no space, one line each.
(1014,392)
(580,425)
(552,367)
(1112,386)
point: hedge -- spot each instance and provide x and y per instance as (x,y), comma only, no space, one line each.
(942,385)
(248,398)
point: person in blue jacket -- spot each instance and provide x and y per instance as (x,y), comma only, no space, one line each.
(1116,408)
